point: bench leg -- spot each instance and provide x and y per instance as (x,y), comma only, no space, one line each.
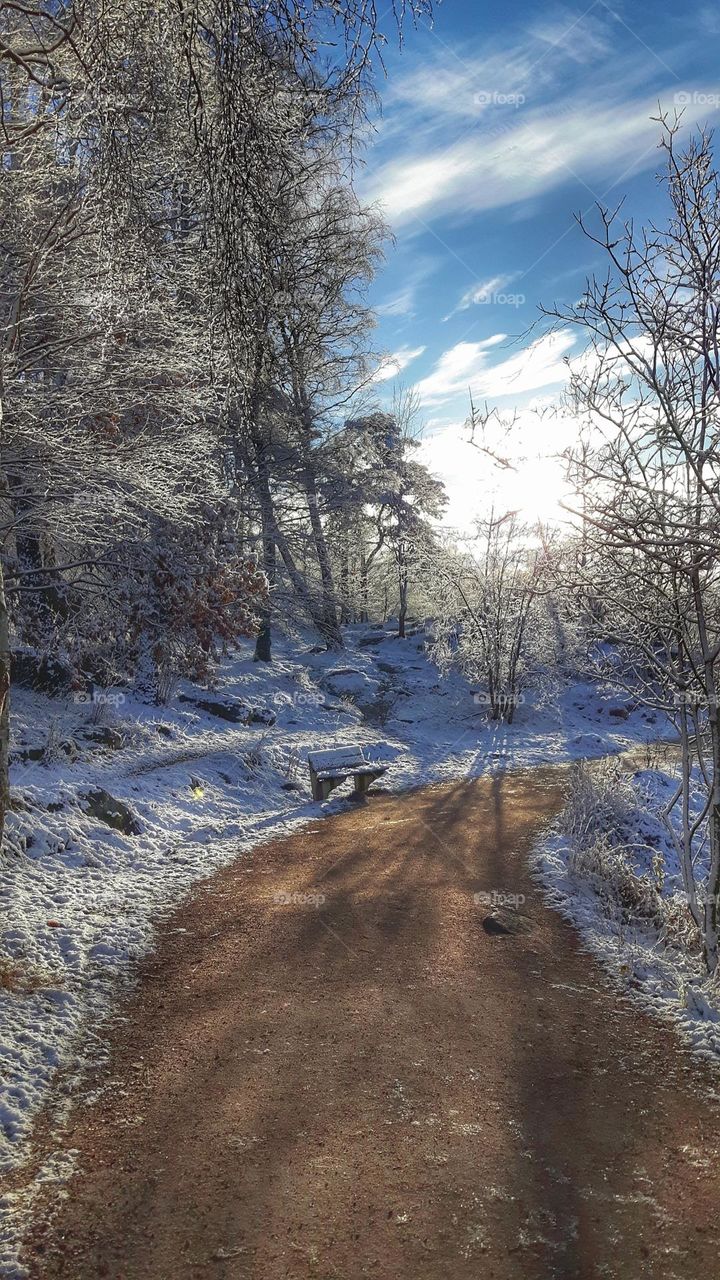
(329,784)
(362,782)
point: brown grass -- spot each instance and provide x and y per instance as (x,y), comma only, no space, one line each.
(20,980)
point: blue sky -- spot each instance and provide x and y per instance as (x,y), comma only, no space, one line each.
(497,126)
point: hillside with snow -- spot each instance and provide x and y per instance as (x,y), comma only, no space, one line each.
(193,786)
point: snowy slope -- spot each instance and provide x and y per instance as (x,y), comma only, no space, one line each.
(657,959)
(81,900)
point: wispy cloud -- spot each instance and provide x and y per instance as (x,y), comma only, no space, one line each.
(523,117)
(482,292)
(394,364)
(529,156)
(466,366)
(401,303)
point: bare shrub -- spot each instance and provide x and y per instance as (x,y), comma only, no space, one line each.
(601,821)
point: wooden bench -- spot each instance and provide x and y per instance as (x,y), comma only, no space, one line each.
(329,768)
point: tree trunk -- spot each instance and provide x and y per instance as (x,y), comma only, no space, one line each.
(403,589)
(263,642)
(4,668)
(331,628)
(711,942)
(4,705)
(257,475)
(363,587)
(345,575)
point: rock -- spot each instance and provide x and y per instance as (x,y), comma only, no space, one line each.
(503,923)
(105,736)
(291,786)
(48,675)
(101,805)
(618,713)
(164,730)
(261,715)
(349,682)
(26,755)
(34,754)
(235,711)
(492,925)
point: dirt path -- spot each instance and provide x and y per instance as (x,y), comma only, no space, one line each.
(378,1087)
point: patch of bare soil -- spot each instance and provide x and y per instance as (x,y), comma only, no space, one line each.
(334,1067)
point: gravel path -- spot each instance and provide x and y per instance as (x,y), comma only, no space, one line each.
(336,1066)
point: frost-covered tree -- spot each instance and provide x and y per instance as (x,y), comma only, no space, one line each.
(493,623)
(649,481)
(161,314)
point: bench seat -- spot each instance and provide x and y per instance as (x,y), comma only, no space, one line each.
(329,768)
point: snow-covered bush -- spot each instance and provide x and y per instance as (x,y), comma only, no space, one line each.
(613,829)
(494,624)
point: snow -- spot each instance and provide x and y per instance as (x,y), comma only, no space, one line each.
(81,900)
(331,764)
(649,963)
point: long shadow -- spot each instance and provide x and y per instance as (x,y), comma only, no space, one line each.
(309,1067)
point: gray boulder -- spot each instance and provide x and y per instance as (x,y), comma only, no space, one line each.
(101,805)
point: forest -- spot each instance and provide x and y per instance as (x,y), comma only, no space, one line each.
(224,549)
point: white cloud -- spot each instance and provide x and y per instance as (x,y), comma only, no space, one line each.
(566,98)
(394,364)
(482,292)
(466,366)
(401,303)
(583,38)
(537,150)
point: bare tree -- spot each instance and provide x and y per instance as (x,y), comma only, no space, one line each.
(490,602)
(649,479)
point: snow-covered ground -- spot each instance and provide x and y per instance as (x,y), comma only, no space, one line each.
(621,886)
(81,899)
